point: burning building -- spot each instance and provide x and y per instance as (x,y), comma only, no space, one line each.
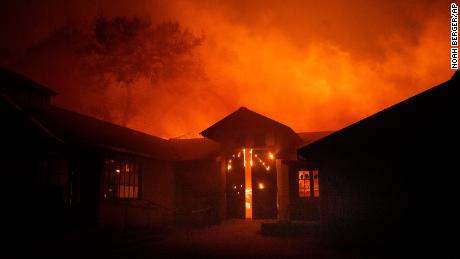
(256,159)
(100,174)
(381,177)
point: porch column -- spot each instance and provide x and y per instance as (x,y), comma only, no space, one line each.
(248,182)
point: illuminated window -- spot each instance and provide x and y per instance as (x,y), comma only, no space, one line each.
(304,184)
(315,183)
(121,180)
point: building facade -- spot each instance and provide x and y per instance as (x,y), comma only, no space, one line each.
(80,171)
(64,170)
(389,178)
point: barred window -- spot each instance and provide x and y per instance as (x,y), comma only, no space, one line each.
(304,184)
(121,179)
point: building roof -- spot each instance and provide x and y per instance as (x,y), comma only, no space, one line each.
(79,129)
(10,79)
(310,137)
(416,116)
(195,148)
(67,127)
(244,122)
(21,131)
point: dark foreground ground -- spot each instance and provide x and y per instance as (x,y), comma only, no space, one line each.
(230,239)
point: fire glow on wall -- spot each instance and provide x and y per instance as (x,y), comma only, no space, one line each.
(248,163)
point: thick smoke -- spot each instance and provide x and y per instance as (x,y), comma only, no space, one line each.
(313,65)
(111,56)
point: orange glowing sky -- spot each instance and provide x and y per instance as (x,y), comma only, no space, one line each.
(313,65)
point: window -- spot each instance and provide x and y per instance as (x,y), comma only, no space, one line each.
(121,180)
(304,184)
(315,183)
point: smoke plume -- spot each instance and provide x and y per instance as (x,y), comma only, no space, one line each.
(173,68)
